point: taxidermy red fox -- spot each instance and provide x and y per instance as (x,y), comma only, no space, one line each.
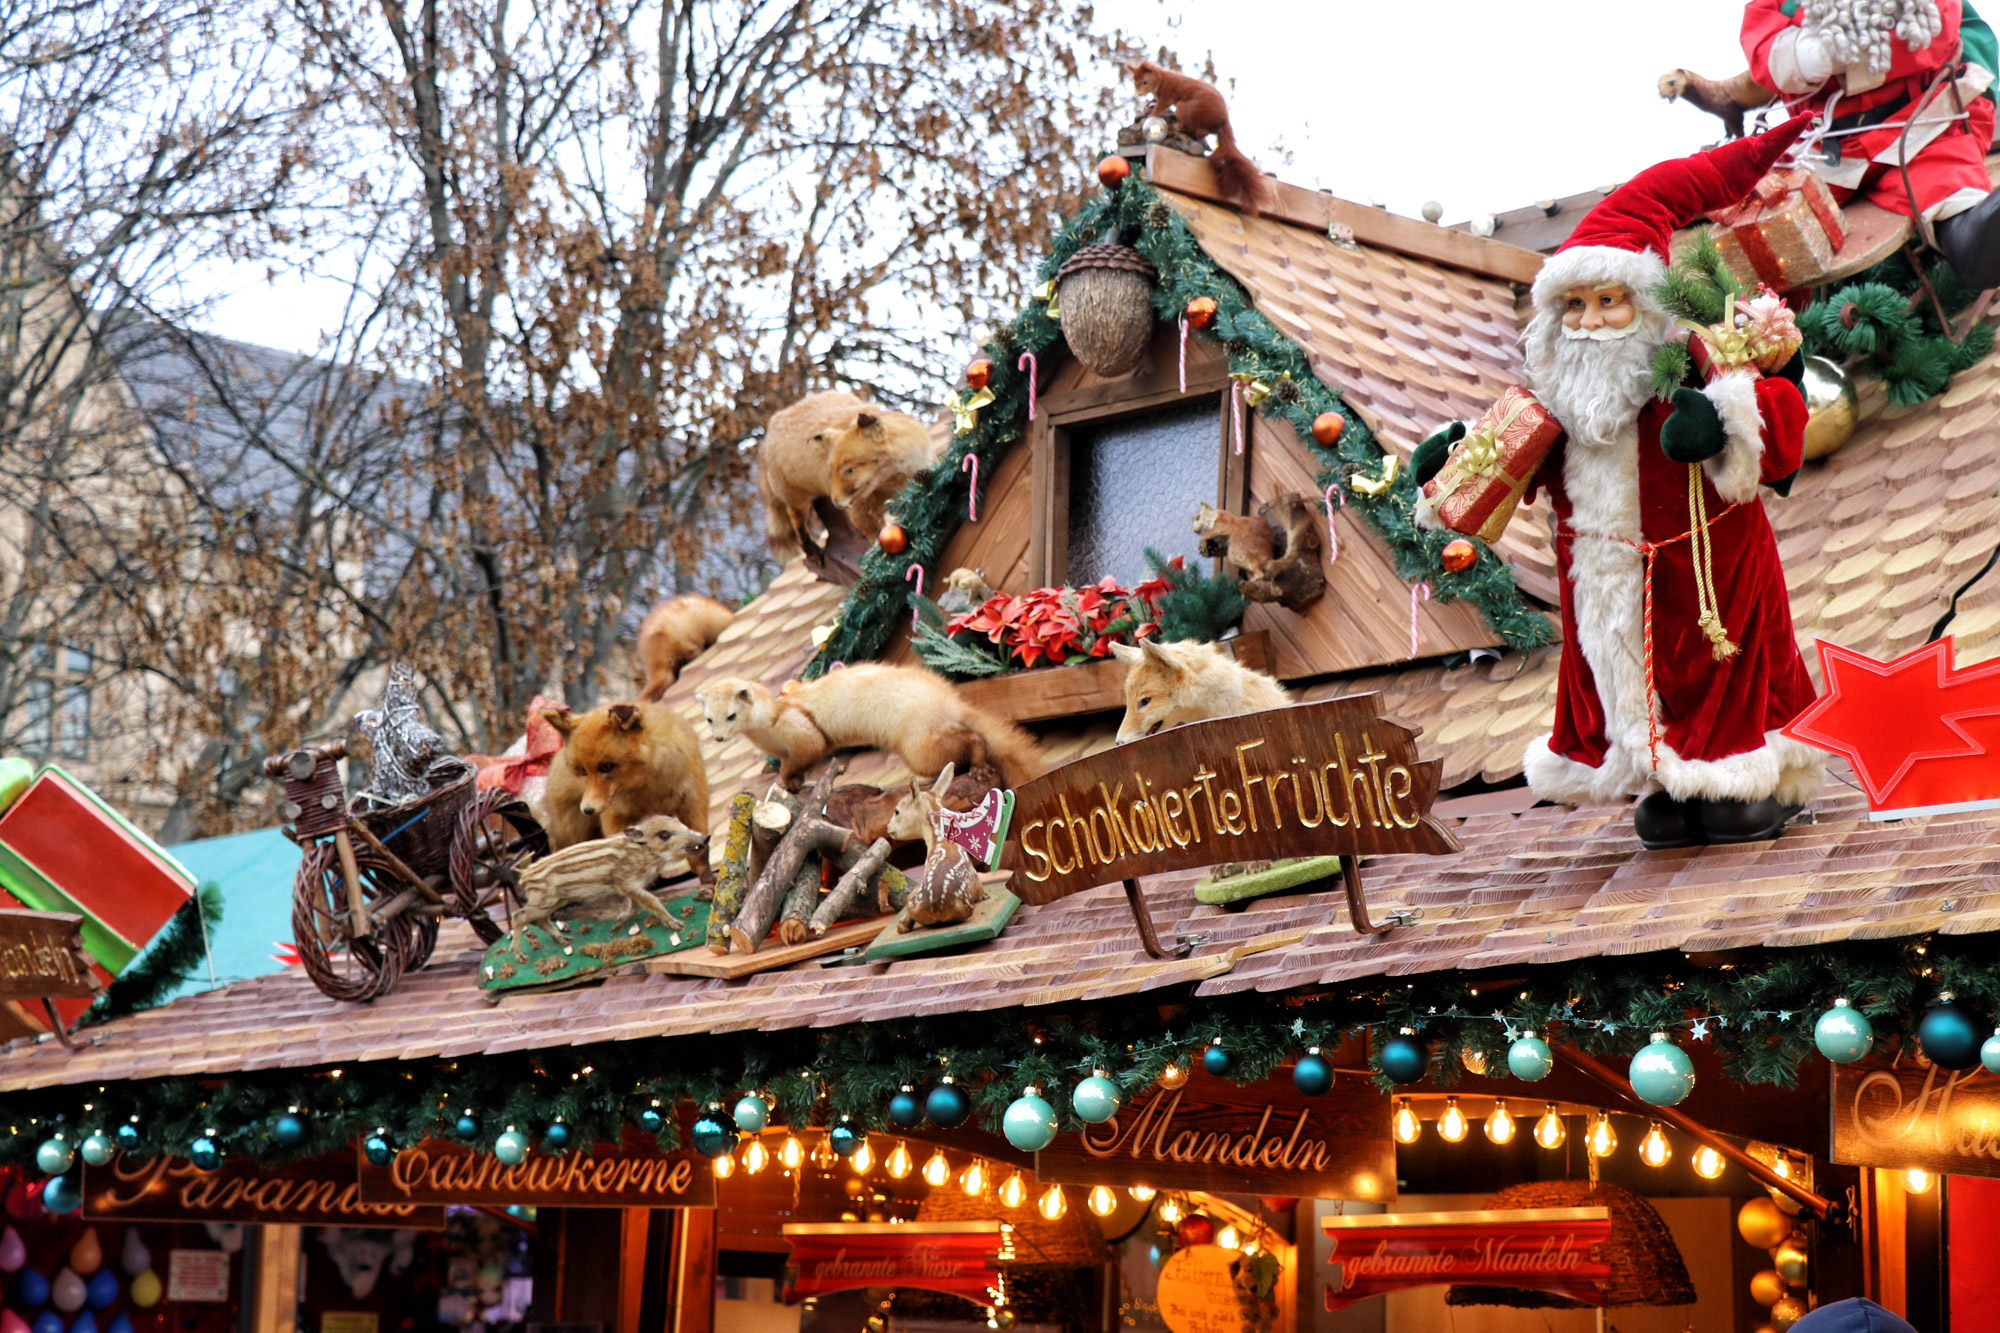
(1200,110)
(676,632)
(617,766)
(791,465)
(872,460)
(1172,683)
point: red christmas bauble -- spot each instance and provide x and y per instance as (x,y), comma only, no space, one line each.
(1327,427)
(978,373)
(1194,1229)
(1201,311)
(892,538)
(791,685)
(1278,1203)
(1112,171)
(1458,554)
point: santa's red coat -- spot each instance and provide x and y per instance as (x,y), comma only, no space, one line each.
(1711,715)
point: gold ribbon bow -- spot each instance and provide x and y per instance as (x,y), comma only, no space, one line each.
(1478,454)
(965,411)
(1361,482)
(1728,346)
(1255,391)
(1047,292)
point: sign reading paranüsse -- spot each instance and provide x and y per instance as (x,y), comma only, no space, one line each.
(1308,780)
(635,1174)
(1209,1134)
(1902,1115)
(42,956)
(321,1191)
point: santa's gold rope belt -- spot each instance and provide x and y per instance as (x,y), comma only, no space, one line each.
(1708,609)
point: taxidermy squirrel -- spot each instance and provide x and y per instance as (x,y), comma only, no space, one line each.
(1201,112)
(1248,544)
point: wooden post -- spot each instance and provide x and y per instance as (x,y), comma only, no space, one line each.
(631,1266)
(694,1271)
(276,1303)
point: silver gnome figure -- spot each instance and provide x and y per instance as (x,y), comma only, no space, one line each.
(404,747)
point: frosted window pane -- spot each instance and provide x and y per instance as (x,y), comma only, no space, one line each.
(1136,483)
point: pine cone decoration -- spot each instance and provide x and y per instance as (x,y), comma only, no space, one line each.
(1236,346)
(1088,235)
(1285,391)
(1160,214)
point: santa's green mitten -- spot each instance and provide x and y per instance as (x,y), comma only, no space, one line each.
(1428,458)
(1693,431)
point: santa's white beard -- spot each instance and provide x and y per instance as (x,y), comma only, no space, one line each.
(1594,388)
(1856,30)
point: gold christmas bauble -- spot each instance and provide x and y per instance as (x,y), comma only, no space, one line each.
(1790,1261)
(1767,1288)
(1787,1312)
(1832,408)
(1762,1224)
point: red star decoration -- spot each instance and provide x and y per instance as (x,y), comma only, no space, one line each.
(1920,732)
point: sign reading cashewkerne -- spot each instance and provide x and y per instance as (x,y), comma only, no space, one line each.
(1309,780)
(635,1174)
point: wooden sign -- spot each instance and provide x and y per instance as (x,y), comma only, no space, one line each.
(1211,1135)
(1197,1292)
(1546,1249)
(321,1192)
(634,1175)
(1900,1116)
(42,956)
(957,1258)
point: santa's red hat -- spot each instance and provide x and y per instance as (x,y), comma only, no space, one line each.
(1624,238)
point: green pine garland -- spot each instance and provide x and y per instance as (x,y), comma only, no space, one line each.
(166,964)
(1758,1013)
(929,508)
(1200,607)
(1894,331)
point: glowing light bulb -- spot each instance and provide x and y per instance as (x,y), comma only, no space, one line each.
(1014,1191)
(1142,1193)
(1550,1130)
(1708,1163)
(899,1162)
(1171,1210)
(1782,1167)
(791,1154)
(1408,1127)
(1053,1205)
(1102,1201)
(1602,1140)
(725,1167)
(1227,1238)
(1500,1124)
(1174,1075)
(861,1159)
(937,1170)
(1654,1150)
(973,1179)
(1917,1180)
(755,1158)
(1452,1125)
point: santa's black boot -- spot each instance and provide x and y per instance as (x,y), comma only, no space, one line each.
(1744,821)
(1662,822)
(1971,241)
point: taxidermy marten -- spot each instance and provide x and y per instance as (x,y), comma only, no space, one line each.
(676,632)
(1202,112)
(908,710)
(791,465)
(1728,98)
(871,460)
(619,765)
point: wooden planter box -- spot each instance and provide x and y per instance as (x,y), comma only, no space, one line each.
(1098,686)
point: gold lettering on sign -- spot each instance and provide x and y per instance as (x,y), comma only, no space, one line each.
(1145,1137)
(417,1170)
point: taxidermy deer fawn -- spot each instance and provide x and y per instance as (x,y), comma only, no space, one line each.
(1201,112)
(946,890)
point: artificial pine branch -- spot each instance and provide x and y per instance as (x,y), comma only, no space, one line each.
(167,962)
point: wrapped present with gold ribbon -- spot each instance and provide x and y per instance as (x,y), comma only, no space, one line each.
(1785,234)
(1481,484)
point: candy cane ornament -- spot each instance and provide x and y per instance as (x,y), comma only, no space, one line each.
(1027,363)
(1236,412)
(970,463)
(916,571)
(1184,331)
(1334,495)
(1421,591)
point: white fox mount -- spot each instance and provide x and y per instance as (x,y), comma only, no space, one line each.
(1307,780)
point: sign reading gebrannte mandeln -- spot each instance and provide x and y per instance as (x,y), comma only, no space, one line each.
(321,1191)
(957,1258)
(1548,1249)
(1209,1134)
(42,957)
(1308,780)
(635,1174)
(1900,1116)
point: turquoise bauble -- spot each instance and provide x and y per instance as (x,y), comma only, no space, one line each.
(651,1120)
(1661,1072)
(62,1195)
(1530,1058)
(1949,1035)
(467,1127)
(378,1150)
(905,1111)
(511,1147)
(289,1131)
(98,1149)
(129,1137)
(205,1153)
(1404,1058)
(1843,1033)
(712,1136)
(556,1137)
(752,1114)
(846,1139)
(1096,1100)
(1217,1061)
(1030,1123)
(55,1155)
(1313,1076)
(1989,1053)
(948,1107)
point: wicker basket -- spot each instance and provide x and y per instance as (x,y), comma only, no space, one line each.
(420,831)
(1105,293)
(1646,1266)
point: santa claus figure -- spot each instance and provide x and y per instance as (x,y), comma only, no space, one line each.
(1650,699)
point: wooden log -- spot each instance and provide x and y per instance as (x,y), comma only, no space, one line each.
(730,880)
(800,902)
(768,822)
(808,836)
(856,878)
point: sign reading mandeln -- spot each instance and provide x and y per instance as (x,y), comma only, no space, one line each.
(1546,1249)
(1900,1116)
(634,1175)
(320,1192)
(957,1258)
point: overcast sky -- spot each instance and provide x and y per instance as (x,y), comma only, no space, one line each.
(1482,105)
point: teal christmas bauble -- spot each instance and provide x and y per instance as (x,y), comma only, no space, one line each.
(55,1155)
(1661,1073)
(1950,1036)
(947,1106)
(712,1135)
(1313,1074)
(905,1111)
(205,1153)
(1843,1033)
(1030,1123)
(289,1131)
(556,1137)
(1989,1053)
(1095,1099)
(752,1114)
(651,1120)
(62,1195)
(1530,1058)
(467,1127)
(130,1139)
(511,1147)
(1216,1060)
(98,1149)
(1405,1059)
(378,1150)
(846,1139)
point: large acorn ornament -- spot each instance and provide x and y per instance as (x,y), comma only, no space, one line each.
(1832,407)
(1106,295)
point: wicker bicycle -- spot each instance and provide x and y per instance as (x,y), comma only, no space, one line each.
(376,881)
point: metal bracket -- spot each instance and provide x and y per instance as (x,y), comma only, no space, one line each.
(1183,944)
(1357,903)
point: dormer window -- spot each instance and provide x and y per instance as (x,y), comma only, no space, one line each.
(1133,484)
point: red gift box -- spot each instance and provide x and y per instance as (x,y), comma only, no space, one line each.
(1785,234)
(1481,484)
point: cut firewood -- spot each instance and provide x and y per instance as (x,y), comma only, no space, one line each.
(800,902)
(852,885)
(807,836)
(734,875)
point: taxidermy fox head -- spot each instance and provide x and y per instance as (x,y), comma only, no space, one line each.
(1159,689)
(857,456)
(607,749)
(729,705)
